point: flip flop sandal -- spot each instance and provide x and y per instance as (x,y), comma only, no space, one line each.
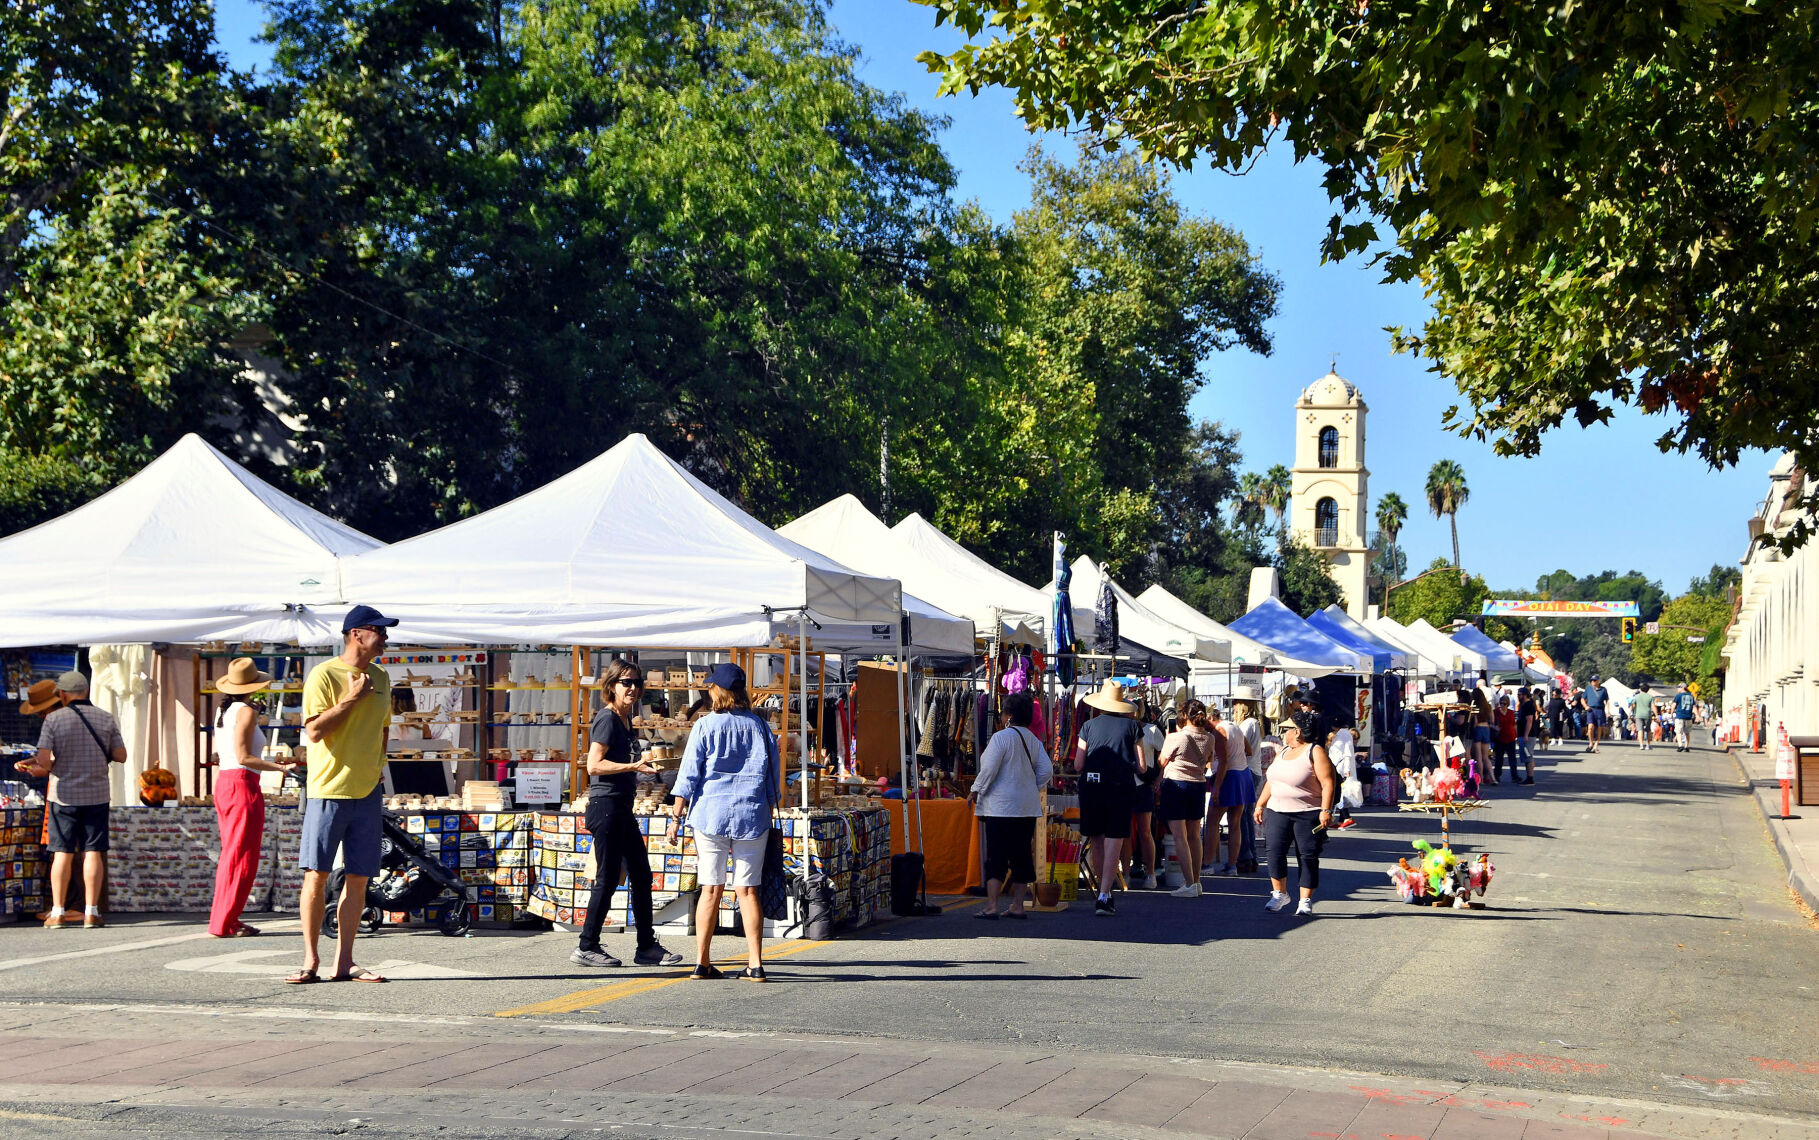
(987,915)
(303,978)
(244,931)
(358,974)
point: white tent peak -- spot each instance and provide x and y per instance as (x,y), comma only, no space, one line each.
(630,530)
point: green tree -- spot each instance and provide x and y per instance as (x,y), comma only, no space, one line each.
(1117,295)
(1278,487)
(1248,505)
(1306,577)
(1713,583)
(1607,205)
(119,135)
(1392,513)
(1446,493)
(1668,655)
(1440,595)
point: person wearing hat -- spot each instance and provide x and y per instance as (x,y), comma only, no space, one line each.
(1109,759)
(726,790)
(613,768)
(239,802)
(347,705)
(1595,701)
(75,747)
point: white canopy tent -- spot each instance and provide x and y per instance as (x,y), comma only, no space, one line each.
(1444,662)
(1136,620)
(628,550)
(968,582)
(193,548)
(845,531)
(1244,650)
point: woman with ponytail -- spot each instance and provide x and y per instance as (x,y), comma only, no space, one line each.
(1187,755)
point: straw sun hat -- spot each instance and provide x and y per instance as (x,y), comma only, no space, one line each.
(242,677)
(1110,698)
(42,695)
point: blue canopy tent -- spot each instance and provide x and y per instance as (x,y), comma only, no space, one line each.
(1382,658)
(1400,656)
(1498,659)
(1278,627)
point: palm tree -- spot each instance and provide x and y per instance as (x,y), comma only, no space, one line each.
(1446,493)
(1392,512)
(1276,487)
(1250,500)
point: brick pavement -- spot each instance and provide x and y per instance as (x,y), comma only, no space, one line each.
(677,1083)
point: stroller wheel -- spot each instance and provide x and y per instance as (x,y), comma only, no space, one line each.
(371,919)
(455,921)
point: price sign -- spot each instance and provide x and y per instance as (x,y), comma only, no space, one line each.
(540,783)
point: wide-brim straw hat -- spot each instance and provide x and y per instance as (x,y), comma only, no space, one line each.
(1110,698)
(243,677)
(41,696)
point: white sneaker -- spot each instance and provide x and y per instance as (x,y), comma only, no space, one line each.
(1306,907)
(1153,883)
(1277,901)
(1191,891)
(1220,869)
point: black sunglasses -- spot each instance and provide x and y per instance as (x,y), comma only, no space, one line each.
(634,682)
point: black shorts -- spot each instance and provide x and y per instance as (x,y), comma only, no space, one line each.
(1143,798)
(75,829)
(1183,799)
(1104,811)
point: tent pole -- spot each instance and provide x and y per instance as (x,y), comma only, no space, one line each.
(802,690)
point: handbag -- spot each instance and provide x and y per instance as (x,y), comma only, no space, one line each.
(773,886)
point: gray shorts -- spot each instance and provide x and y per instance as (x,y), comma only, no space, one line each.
(352,825)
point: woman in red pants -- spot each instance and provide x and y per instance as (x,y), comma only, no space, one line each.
(239,804)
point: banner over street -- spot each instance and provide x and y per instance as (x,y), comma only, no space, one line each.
(1523,607)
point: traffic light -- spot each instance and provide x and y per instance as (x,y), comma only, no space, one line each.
(1629,629)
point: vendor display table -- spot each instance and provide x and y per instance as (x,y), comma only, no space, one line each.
(850,848)
(23,862)
(163,859)
(516,862)
(950,843)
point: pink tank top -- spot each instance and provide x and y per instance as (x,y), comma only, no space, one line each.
(1293,785)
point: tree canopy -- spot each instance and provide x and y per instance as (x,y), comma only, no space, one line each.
(1608,204)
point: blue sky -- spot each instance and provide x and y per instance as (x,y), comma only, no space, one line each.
(1595,499)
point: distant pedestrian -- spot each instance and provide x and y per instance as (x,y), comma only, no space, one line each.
(1191,756)
(1295,808)
(726,789)
(1556,715)
(1596,700)
(1505,743)
(347,707)
(239,801)
(1528,727)
(1642,713)
(613,767)
(1342,750)
(1244,715)
(1140,845)
(1007,799)
(1108,758)
(1683,720)
(1232,793)
(75,746)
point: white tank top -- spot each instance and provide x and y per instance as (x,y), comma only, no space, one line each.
(227,756)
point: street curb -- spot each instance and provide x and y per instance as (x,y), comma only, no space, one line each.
(1797,876)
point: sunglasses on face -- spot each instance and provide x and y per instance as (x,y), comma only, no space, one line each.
(378,633)
(629,683)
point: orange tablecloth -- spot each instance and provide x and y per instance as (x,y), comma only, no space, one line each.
(950,843)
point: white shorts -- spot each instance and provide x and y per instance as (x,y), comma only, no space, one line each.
(748,860)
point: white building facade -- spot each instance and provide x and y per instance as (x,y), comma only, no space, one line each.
(1329,504)
(1773,639)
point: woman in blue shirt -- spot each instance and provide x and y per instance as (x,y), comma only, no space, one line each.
(726,789)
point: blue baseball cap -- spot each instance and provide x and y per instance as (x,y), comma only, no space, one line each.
(365,615)
(726,675)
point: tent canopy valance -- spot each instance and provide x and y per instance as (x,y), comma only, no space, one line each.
(193,548)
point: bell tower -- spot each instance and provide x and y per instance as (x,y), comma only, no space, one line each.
(1329,494)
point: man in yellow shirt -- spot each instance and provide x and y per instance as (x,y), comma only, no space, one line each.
(347,705)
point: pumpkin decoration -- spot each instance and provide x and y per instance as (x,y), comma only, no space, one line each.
(157,786)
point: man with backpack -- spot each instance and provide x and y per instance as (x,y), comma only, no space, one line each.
(1683,720)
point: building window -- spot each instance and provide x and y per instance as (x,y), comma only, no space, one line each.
(1329,447)
(1326,521)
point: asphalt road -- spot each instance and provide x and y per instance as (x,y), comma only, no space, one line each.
(1641,945)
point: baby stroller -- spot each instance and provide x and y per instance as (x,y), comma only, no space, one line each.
(408,879)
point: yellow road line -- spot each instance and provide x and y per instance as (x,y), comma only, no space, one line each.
(632,987)
(963,904)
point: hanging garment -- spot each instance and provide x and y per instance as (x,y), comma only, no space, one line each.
(1105,619)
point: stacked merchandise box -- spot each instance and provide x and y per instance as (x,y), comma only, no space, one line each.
(23,862)
(163,859)
(564,873)
(491,852)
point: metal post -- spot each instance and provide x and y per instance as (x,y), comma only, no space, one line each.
(802,720)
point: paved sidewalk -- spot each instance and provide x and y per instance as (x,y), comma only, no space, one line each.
(102,1070)
(1797,839)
